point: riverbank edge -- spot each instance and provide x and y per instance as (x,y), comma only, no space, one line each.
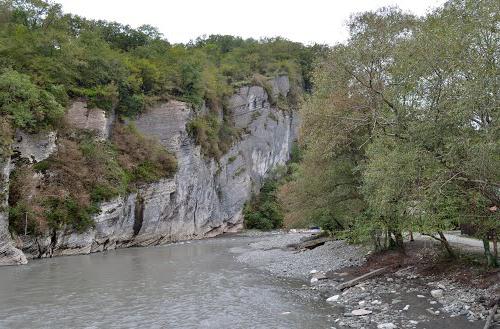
(437,296)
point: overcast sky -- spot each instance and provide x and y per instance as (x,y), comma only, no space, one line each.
(307,21)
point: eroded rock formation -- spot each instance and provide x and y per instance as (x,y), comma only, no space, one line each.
(206,196)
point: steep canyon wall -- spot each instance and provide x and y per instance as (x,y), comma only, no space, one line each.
(205,197)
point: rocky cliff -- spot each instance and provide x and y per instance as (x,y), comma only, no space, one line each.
(204,199)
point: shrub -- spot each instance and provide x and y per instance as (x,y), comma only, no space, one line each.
(143,159)
(103,97)
(80,175)
(256,220)
(27,105)
(214,137)
(6,133)
(68,211)
(264,211)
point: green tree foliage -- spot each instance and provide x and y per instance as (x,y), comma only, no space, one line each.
(404,120)
(116,66)
(263,211)
(28,106)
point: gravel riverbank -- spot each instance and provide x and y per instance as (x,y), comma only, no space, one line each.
(398,299)
(271,253)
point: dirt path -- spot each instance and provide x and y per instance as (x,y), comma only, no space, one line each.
(456,239)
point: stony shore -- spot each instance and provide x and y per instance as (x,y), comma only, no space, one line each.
(397,299)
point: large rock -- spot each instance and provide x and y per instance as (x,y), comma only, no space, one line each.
(95,119)
(281,86)
(248,103)
(204,199)
(437,293)
(34,147)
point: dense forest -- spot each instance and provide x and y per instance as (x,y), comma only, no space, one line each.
(401,133)
(49,59)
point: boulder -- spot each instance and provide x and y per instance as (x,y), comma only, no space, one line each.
(361,312)
(93,119)
(34,147)
(437,293)
(388,325)
(333,299)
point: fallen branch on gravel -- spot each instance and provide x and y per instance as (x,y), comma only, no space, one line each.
(359,279)
(310,244)
(489,320)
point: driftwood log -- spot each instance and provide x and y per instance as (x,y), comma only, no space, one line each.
(309,244)
(359,279)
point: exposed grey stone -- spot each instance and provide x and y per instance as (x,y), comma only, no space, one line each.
(437,293)
(97,120)
(361,312)
(35,147)
(281,86)
(333,299)
(9,254)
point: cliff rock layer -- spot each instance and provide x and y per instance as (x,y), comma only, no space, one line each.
(9,255)
(204,199)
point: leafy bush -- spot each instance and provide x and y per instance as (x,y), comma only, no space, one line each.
(27,105)
(264,211)
(143,159)
(60,212)
(6,133)
(214,137)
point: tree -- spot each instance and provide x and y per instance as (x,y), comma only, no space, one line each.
(414,103)
(27,105)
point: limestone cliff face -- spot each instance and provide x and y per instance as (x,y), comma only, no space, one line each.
(9,254)
(204,199)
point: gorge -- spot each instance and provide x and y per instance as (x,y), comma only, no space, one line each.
(204,198)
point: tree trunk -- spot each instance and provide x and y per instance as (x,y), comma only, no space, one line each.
(399,240)
(495,244)
(411,237)
(392,243)
(377,240)
(386,239)
(491,259)
(446,244)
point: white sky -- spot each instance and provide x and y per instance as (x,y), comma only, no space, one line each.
(307,21)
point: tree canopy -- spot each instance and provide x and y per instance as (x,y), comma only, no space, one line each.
(401,132)
(114,65)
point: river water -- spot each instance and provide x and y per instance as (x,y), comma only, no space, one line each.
(190,285)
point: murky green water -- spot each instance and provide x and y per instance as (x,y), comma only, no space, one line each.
(195,285)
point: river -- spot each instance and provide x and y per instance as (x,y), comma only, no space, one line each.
(185,285)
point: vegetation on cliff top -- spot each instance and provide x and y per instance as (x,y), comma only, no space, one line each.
(401,133)
(49,56)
